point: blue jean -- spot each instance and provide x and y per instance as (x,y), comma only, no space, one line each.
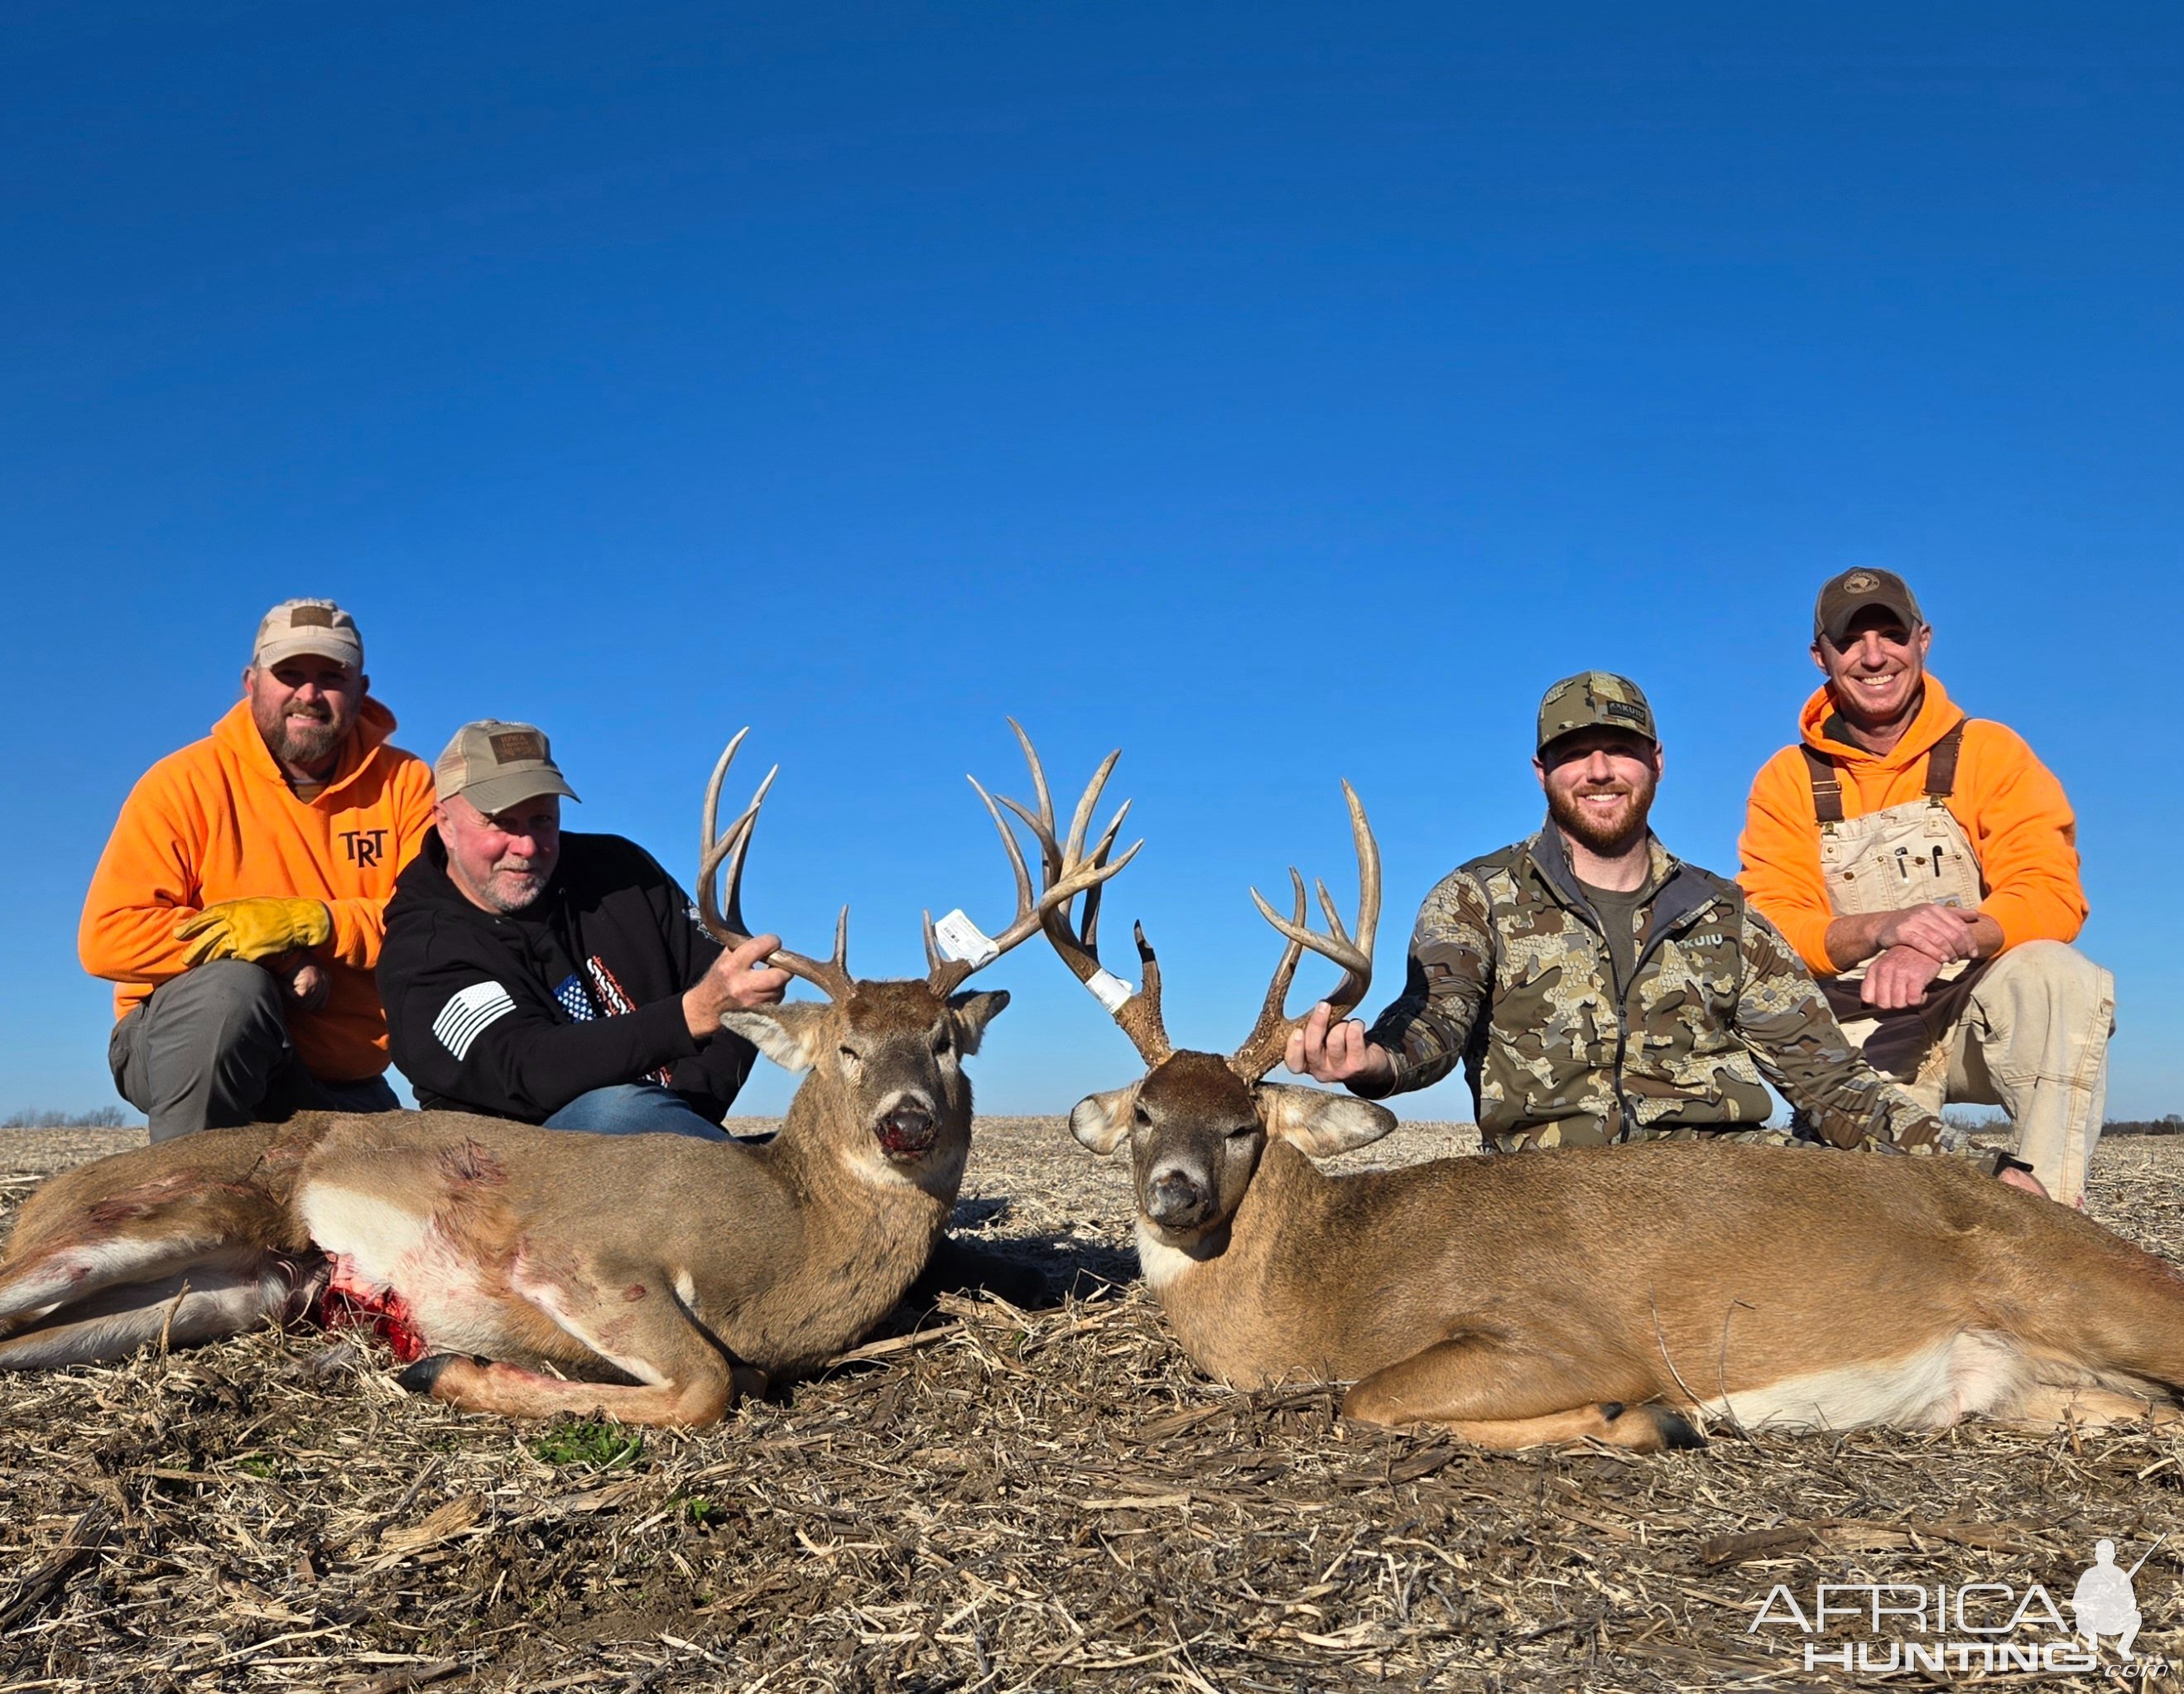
(634,1109)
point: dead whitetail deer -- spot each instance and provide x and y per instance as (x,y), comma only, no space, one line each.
(1546,1297)
(672,1273)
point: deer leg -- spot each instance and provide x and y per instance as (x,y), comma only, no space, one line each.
(200,1304)
(2046,1407)
(1502,1400)
(630,1319)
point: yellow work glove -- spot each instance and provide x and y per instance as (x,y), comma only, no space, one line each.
(255,928)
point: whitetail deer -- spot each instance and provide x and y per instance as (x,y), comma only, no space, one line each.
(1545,1297)
(690,1270)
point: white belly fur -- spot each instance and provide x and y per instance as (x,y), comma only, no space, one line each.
(1965,1375)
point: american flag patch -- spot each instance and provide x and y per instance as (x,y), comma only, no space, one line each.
(467,1013)
(575,999)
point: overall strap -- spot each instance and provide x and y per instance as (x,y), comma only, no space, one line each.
(1827,787)
(1941,773)
(1942,762)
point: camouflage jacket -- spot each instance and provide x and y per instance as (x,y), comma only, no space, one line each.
(1510,971)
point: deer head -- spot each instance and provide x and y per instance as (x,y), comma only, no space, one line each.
(1197,1122)
(884,1058)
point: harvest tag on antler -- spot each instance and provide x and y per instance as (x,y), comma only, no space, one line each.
(962,939)
(1108,988)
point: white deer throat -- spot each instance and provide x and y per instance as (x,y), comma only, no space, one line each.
(1166,1258)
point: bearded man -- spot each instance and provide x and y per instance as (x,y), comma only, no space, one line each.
(1599,989)
(238,908)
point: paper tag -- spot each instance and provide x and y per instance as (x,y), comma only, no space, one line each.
(963,941)
(1109,990)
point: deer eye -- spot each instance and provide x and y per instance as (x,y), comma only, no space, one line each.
(943,1040)
(1144,1118)
(1243,1131)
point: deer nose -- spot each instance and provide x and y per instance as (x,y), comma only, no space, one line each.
(1176,1199)
(908,1127)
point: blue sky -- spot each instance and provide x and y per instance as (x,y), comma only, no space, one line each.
(1279,393)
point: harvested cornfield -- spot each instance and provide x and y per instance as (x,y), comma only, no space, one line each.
(995,1499)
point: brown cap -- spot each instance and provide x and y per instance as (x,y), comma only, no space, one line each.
(317,627)
(493,765)
(1595,699)
(1845,597)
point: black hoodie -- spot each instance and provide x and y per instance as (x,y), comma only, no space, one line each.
(482,1009)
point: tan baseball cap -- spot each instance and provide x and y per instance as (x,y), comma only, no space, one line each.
(317,627)
(493,765)
(1843,597)
(1595,699)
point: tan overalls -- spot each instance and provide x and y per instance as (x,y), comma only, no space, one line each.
(2027,1030)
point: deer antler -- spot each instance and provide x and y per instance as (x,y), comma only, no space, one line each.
(1139,1013)
(832,979)
(1263,1047)
(1060,882)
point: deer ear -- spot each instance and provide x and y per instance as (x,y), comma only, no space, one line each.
(973,1011)
(1320,1123)
(790,1034)
(1100,1121)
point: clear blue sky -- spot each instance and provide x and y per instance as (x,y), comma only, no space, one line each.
(1281,393)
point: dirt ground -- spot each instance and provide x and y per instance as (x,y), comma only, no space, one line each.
(999,1499)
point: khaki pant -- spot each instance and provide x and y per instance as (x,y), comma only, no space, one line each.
(2028,1031)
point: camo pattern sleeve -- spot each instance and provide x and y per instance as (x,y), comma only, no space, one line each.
(1785,1023)
(1448,979)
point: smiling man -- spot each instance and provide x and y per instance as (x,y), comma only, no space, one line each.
(238,908)
(1599,989)
(1925,865)
(559,978)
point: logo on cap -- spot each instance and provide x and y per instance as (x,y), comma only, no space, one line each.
(514,745)
(1860,582)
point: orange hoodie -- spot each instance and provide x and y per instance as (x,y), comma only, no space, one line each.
(2012,811)
(216,821)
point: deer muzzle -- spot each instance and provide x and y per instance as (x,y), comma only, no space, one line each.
(1176,1199)
(907,1130)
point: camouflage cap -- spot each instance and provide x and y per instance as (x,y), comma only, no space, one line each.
(317,627)
(493,765)
(1843,597)
(1595,699)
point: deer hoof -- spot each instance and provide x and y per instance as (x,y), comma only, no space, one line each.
(421,1377)
(1671,1430)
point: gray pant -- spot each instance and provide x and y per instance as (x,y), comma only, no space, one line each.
(211,1049)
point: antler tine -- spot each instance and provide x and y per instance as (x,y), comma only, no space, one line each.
(1271,1010)
(1065,870)
(732,845)
(1078,943)
(1270,1037)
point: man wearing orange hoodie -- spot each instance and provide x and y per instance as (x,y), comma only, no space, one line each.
(1925,865)
(239,906)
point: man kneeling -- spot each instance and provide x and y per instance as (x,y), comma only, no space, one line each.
(560,979)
